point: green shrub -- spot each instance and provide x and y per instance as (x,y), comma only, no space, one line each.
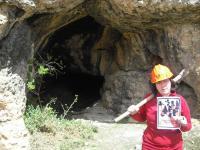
(71,133)
(42,119)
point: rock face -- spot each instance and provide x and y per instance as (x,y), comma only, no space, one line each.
(136,35)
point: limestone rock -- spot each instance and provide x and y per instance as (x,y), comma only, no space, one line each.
(14,135)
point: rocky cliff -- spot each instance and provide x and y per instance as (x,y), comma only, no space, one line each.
(132,36)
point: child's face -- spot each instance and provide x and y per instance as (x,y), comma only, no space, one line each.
(164,87)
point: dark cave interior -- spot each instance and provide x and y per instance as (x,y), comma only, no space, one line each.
(64,88)
(67,54)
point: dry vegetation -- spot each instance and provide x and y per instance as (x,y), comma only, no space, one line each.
(50,132)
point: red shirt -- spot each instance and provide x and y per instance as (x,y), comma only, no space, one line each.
(159,139)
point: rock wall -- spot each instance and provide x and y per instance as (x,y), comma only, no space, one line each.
(153,31)
(137,34)
(19,40)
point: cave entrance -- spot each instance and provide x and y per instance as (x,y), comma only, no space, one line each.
(73,88)
(67,55)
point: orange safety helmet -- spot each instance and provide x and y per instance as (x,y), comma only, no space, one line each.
(159,73)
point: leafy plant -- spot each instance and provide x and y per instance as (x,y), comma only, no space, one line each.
(40,119)
(42,70)
(44,121)
(31,85)
(37,70)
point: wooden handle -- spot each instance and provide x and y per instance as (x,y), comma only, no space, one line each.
(122,116)
(180,75)
(138,105)
(144,101)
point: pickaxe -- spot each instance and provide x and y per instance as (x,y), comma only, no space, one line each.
(144,101)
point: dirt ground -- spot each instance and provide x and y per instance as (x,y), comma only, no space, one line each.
(110,135)
(117,136)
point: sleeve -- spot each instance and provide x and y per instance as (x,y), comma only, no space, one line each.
(141,115)
(185,111)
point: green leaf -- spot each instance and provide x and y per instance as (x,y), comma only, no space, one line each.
(43,70)
(31,85)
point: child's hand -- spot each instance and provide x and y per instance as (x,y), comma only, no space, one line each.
(181,120)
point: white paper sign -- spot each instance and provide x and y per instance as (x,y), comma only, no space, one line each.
(168,108)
